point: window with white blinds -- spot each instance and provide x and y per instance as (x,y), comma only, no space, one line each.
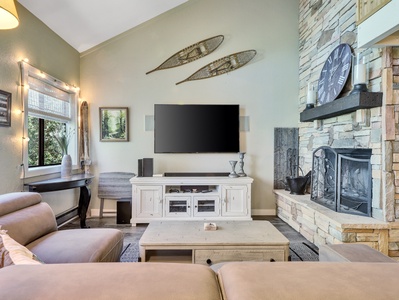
(47,101)
(49,105)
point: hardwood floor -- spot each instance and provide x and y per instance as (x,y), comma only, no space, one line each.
(300,248)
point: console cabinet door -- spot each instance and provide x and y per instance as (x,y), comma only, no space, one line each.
(234,200)
(149,201)
(206,206)
(177,206)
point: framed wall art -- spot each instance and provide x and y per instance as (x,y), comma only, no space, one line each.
(114,124)
(5,109)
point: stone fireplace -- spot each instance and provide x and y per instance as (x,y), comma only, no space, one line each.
(322,26)
(341,180)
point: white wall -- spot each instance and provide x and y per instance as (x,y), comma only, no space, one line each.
(266,89)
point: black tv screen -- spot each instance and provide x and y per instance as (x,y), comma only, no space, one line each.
(196,128)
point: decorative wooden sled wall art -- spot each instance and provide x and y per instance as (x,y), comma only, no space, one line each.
(191,53)
(223,65)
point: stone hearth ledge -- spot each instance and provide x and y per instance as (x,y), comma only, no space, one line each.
(321,225)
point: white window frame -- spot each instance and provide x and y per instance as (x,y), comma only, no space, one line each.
(26,71)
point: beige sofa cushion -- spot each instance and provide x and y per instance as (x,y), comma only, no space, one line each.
(351,253)
(15,201)
(141,281)
(79,245)
(309,280)
(29,223)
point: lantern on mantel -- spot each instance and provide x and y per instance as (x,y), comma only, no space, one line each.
(360,72)
(310,96)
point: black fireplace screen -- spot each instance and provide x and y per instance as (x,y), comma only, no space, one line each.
(341,180)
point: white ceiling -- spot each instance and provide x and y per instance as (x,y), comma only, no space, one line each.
(86,23)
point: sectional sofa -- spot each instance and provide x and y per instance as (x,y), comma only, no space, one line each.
(70,268)
(236,281)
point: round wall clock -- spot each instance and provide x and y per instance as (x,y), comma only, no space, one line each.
(334,74)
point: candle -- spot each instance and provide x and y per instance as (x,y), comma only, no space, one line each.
(310,95)
(360,74)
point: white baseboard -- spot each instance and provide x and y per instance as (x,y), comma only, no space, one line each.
(263,212)
(95,212)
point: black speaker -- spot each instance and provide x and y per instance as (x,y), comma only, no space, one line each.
(123,211)
(148,167)
(140,168)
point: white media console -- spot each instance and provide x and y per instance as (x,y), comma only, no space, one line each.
(190,198)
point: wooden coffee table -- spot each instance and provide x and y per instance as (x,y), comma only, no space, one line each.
(187,241)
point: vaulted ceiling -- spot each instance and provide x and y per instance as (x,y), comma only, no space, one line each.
(86,23)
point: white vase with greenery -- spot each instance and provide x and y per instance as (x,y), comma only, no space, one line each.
(66,166)
(63,138)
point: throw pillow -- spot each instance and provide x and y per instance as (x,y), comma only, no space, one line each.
(13,253)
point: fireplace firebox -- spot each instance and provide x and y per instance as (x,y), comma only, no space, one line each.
(341,179)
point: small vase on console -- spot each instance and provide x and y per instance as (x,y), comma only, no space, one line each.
(233,173)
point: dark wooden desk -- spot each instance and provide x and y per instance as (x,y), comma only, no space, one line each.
(81,181)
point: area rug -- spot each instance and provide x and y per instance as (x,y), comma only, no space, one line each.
(130,253)
(300,248)
(303,252)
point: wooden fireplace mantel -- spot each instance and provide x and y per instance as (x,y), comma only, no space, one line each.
(342,106)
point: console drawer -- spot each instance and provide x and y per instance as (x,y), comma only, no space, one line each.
(209,257)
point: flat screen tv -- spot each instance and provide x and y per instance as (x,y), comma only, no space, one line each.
(196,128)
